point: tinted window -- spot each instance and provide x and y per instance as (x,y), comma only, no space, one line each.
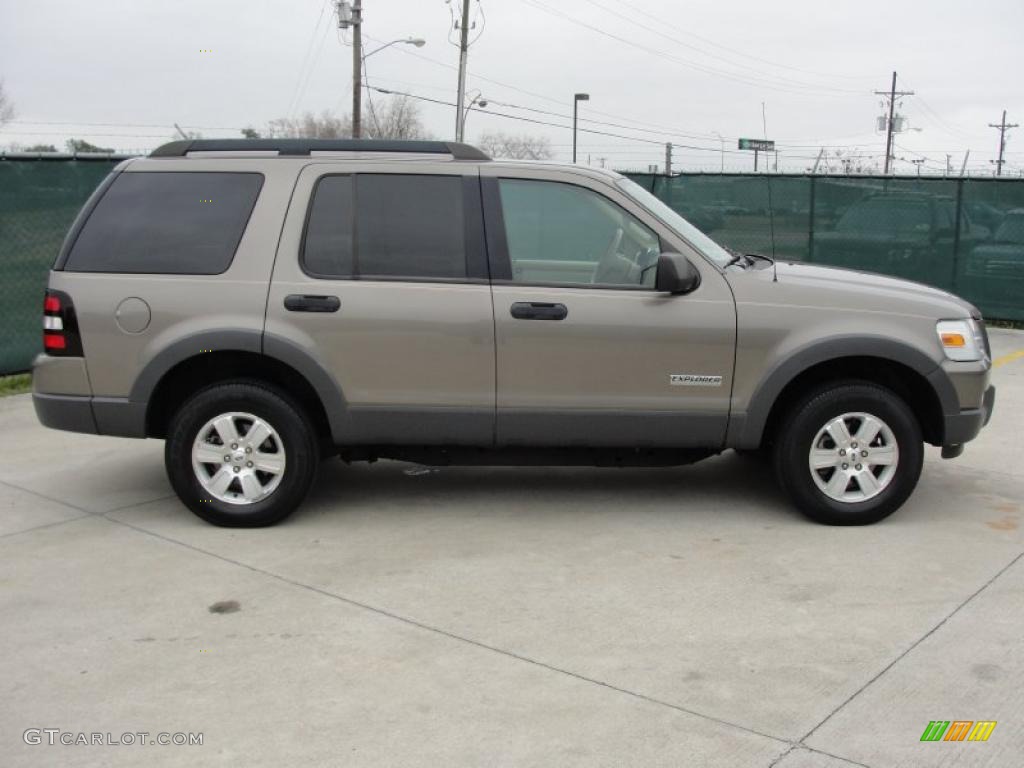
(561,233)
(404,226)
(171,223)
(328,249)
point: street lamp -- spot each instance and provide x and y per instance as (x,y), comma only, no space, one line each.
(359,75)
(478,99)
(419,42)
(721,138)
(577,98)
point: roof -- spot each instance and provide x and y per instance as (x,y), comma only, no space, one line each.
(292,147)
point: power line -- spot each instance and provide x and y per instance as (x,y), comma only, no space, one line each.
(734,51)
(823,90)
(545,122)
(675,40)
(299,83)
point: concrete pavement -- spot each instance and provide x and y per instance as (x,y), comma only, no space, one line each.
(493,617)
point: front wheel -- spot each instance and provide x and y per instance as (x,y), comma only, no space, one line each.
(241,454)
(850,453)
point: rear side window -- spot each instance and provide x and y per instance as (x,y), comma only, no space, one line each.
(167,223)
(393,225)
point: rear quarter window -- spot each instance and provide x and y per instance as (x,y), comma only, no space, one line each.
(167,223)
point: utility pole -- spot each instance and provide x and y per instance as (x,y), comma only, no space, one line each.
(963,168)
(463,55)
(891,95)
(949,165)
(357,69)
(668,159)
(1003,128)
(818,161)
(576,99)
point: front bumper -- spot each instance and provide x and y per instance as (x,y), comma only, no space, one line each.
(965,425)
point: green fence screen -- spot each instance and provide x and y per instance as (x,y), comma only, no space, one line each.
(962,235)
(38,201)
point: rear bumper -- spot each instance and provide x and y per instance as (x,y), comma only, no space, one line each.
(72,413)
(965,425)
(91,415)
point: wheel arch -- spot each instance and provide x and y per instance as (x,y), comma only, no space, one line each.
(909,372)
(198,361)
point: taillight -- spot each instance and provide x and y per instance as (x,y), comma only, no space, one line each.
(60,326)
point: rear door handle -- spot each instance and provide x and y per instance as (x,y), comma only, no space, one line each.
(305,303)
(538,310)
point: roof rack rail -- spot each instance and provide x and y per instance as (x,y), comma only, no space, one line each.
(457,150)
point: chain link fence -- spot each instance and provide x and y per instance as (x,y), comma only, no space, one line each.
(962,235)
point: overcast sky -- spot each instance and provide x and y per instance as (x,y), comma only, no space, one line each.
(121,72)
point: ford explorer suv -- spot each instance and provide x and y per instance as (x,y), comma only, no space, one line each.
(263,304)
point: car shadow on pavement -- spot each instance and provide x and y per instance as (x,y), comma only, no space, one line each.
(724,485)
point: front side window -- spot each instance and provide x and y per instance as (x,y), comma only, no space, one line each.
(166,223)
(386,225)
(561,233)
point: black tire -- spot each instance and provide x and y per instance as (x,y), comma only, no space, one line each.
(291,423)
(797,435)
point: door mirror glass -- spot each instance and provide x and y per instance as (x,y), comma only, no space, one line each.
(676,275)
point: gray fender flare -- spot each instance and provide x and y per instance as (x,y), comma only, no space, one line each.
(745,429)
(275,347)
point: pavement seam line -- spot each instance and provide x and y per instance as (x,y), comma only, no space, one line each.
(912,646)
(452,636)
(793,747)
(69,505)
(46,525)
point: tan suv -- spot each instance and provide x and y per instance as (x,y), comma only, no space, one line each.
(263,304)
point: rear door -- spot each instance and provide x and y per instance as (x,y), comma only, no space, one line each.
(381,276)
(588,352)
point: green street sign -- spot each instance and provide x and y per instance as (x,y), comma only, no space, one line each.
(758,145)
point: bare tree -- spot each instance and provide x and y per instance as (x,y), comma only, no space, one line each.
(516,147)
(309,126)
(6,107)
(853,162)
(394,118)
(398,118)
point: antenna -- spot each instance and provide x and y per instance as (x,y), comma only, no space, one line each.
(771,208)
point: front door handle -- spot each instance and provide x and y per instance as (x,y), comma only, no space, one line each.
(538,310)
(306,303)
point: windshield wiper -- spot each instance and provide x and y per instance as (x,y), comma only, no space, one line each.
(769,259)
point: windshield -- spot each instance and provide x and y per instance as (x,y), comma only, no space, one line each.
(1011,230)
(896,216)
(685,229)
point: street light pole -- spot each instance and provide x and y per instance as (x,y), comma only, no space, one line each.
(721,139)
(357,97)
(577,98)
(476,100)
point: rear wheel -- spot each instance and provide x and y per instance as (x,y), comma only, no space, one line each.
(241,454)
(850,453)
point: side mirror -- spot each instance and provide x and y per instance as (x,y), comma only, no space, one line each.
(676,275)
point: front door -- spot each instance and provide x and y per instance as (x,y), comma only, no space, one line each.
(381,276)
(588,353)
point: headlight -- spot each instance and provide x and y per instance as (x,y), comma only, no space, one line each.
(961,340)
